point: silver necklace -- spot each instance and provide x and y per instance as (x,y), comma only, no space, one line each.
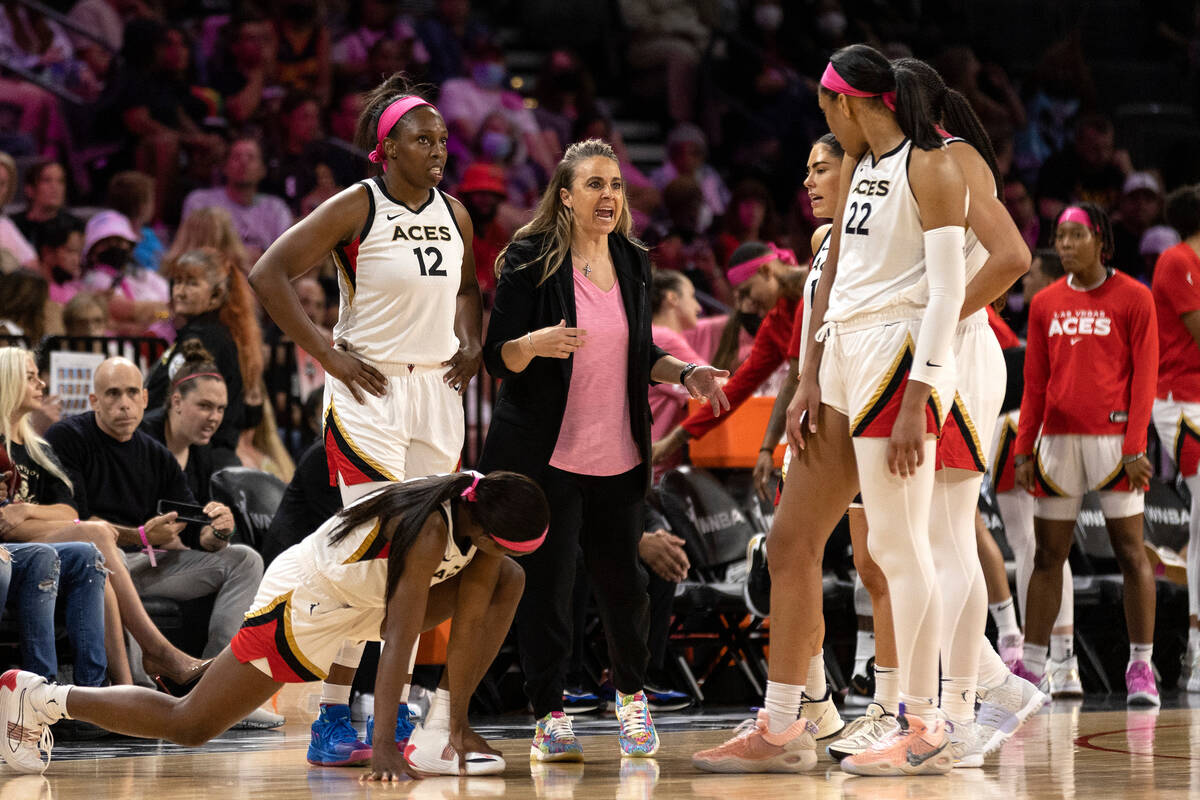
(587,266)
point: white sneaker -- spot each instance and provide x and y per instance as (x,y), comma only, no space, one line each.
(260,719)
(965,745)
(429,750)
(25,721)
(1063,678)
(861,734)
(1003,710)
(822,713)
(1190,677)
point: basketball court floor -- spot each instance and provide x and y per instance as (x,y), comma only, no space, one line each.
(1090,749)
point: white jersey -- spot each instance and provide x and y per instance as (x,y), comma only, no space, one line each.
(810,290)
(399,281)
(881,259)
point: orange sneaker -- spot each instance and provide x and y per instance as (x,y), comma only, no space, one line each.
(914,749)
(754,749)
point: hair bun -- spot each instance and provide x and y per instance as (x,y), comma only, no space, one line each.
(194,352)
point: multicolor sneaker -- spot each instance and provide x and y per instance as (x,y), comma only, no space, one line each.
(1140,686)
(638,737)
(916,748)
(822,713)
(27,710)
(965,745)
(753,748)
(554,739)
(1003,710)
(1010,649)
(428,750)
(864,733)
(1063,677)
(405,722)
(334,741)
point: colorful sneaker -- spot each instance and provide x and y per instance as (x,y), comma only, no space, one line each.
(26,714)
(578,700)
(915,749)
(822,713)
(1003,710)
(334,741)
(638,737)
(1063,677)
(1024,673)
(554,739)
(1140,687)
(864,733)
(405,722)
(667,699)
(965,745)
(552,781)
(754,749)
(428,750)
(1010,648)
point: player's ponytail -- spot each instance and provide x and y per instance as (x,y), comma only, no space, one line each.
(913,113)
(862,71)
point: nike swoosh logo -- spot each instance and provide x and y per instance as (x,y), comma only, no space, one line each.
(931,364)
(915,760)
(394,216)
(1076,339)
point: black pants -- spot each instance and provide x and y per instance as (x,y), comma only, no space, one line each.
(602,516)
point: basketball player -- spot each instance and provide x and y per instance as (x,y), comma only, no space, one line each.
(399,562)
(1091,368)
(407,337)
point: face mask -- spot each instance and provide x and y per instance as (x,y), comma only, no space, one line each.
(495,146)
(768,17)
(252,417)
(749,322)
(831,24)
(489,75)
(60,275)
(115,257)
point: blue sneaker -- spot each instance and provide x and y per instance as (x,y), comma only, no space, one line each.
(666,699)
(578,700)
(335,743)
(404,727)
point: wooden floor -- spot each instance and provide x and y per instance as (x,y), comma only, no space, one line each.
(1065,752)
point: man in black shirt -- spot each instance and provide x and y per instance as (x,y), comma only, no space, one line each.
(120,474)
(307,503)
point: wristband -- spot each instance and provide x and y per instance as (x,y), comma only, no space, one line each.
(146,544)
(766,449)
(1132,458)
(225,537)
(688,369)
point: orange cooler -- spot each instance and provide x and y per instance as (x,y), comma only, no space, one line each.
(734,443)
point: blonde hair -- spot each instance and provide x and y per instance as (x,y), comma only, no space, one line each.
(266,438)
(211,226)
(7,162)
(555,221)
(12,391)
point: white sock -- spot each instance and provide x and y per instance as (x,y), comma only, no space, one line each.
(1140,652)
(992,671)
(1062,646)
(887,688)
(864,650)
(335,695)
(782,702)
(958,700)
(815,685)
(54,701)
(1034,656)
(1005,616)
(1193,644)
(923,708)
(439,710)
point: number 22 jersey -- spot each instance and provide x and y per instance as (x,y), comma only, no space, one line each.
(399,280)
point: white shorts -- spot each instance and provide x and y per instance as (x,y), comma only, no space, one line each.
(979,362)
(1178,427)
(865,370)
(1068,466)
(1004,443)
(415,429)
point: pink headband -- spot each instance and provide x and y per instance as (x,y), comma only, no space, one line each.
(834,82)
(468,494)
(1077,214)
(187,378)
(388,119)
(742,272)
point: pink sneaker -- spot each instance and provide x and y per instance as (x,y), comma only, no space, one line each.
(1010,648)
(1021,671)
(1140,686)
(914,749)
(754,749)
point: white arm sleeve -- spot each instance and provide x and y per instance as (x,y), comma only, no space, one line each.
(946,272)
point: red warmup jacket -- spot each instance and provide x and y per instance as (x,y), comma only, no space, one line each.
(1176,289)
(1004,334)
(1091,363)
(769,351)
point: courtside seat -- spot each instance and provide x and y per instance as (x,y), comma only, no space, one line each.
(253,496)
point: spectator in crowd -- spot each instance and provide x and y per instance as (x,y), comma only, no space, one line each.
(85,314)
(749,218)
(258,218)
(247,77)
(566,92)
(343,117)
(1061,85)
(137,297)
(211,301)
(668,36)
(46,191)
(260,446)
(999,109)
(193,412)
(302,63)
(499,142)
(307,502)
(1090,170)
(445,36)
(132,193)
(11,238)
(483,190)
(314,302)
(1154,242)
(120,473)
(675,310)
(378,43)
(687,149)
(23,300)
(60,258)
(51,511)
(1020,207)
(210,226)
(1140,207)
(293,167)
(679,241)
(104,19)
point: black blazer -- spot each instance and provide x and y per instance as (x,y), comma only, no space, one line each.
(530,404)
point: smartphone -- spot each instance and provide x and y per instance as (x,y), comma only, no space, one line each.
(188,512)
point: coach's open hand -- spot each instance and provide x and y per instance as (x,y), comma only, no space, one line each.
(704,383)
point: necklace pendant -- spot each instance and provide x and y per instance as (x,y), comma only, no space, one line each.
(587,270)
